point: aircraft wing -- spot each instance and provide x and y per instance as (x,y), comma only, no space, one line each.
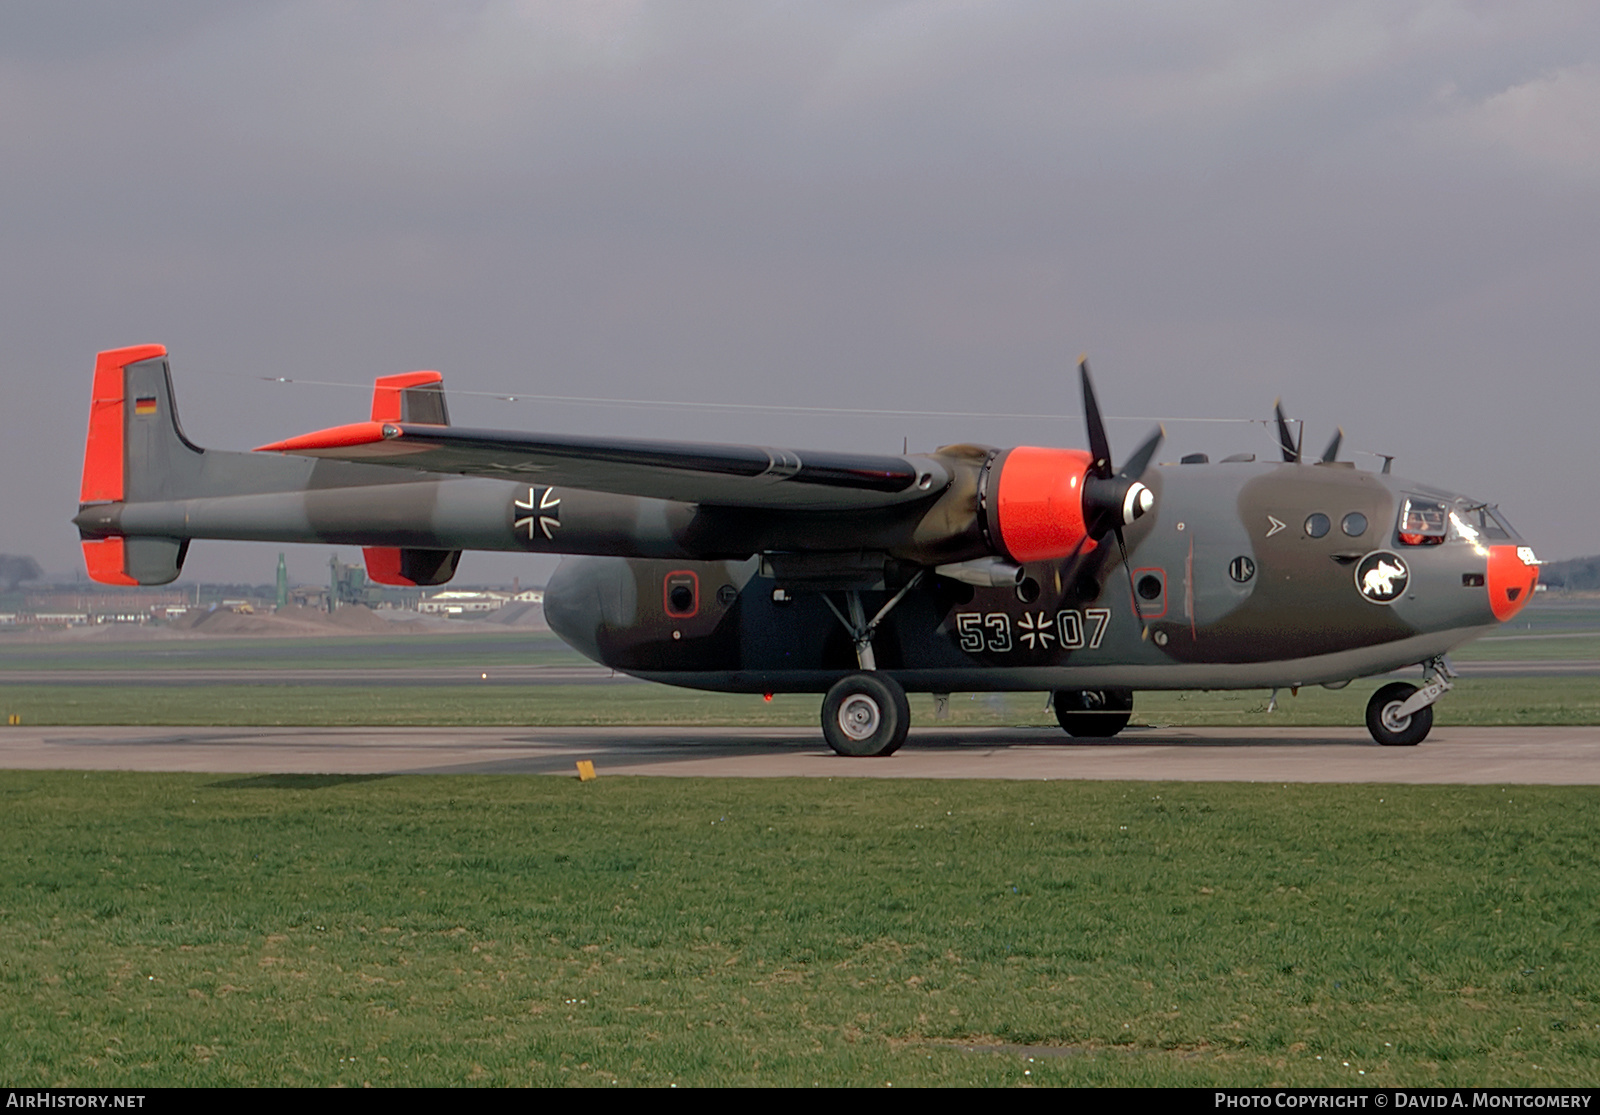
(689,472)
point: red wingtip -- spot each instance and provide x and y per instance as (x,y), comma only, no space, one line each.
(102,453)
(337,437)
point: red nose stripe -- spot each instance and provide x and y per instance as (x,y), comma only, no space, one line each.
(1511,581)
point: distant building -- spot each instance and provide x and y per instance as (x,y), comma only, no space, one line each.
(103,603)
(456,602)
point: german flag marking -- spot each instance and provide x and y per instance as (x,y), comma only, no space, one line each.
(144,404)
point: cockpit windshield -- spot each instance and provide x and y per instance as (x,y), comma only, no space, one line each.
(1423,522)
(1480,524)
(1491,523)
(1429,522)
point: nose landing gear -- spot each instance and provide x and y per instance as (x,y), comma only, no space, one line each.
(1401,715)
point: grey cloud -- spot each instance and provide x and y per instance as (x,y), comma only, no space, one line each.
(1372,209)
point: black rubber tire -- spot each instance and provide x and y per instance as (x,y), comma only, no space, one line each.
(1093,713)
(1408,733)
(865,715)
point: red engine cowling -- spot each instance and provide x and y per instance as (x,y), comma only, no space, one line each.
(1036,512)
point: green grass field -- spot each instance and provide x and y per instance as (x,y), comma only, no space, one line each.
(304,930)
(324,930)
(1474,701)
(476,644)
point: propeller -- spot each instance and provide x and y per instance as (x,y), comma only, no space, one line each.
(1331,454)
(1112,498)
(1286,442)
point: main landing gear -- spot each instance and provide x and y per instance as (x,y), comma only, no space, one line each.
(866,714)
(1093,713)
(1400,715)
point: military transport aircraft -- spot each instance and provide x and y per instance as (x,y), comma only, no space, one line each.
(859,576)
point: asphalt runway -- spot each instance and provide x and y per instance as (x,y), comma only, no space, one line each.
(1461,756)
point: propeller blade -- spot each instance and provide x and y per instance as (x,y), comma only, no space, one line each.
(1291,452)
(1099,444)
(1111,500)
(1133,592)
(1140,460)
(1331,454)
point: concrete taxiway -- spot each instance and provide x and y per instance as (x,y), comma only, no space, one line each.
(1482,756)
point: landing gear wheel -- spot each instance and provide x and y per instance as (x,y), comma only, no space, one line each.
(1093,713)
(866,714)
(1397,731)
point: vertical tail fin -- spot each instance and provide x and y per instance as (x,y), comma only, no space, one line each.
(143,480)
(418,398)
(135,451)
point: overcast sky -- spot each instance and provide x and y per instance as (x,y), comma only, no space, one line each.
(1387,212)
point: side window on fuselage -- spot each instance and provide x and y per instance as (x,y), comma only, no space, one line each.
(1422,523)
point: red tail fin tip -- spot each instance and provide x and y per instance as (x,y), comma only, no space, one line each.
(103,462)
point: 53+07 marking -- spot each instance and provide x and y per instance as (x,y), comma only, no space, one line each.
(991,631)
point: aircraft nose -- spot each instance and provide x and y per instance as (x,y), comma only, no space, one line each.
(1512,573)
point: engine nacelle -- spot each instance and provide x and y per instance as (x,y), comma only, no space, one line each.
(1035,505)
(1047,504)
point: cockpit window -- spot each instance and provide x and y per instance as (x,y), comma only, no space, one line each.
(1422,523)
(1490,524)
(1480,524)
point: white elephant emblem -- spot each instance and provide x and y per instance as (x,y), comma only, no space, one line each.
(1382,577)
